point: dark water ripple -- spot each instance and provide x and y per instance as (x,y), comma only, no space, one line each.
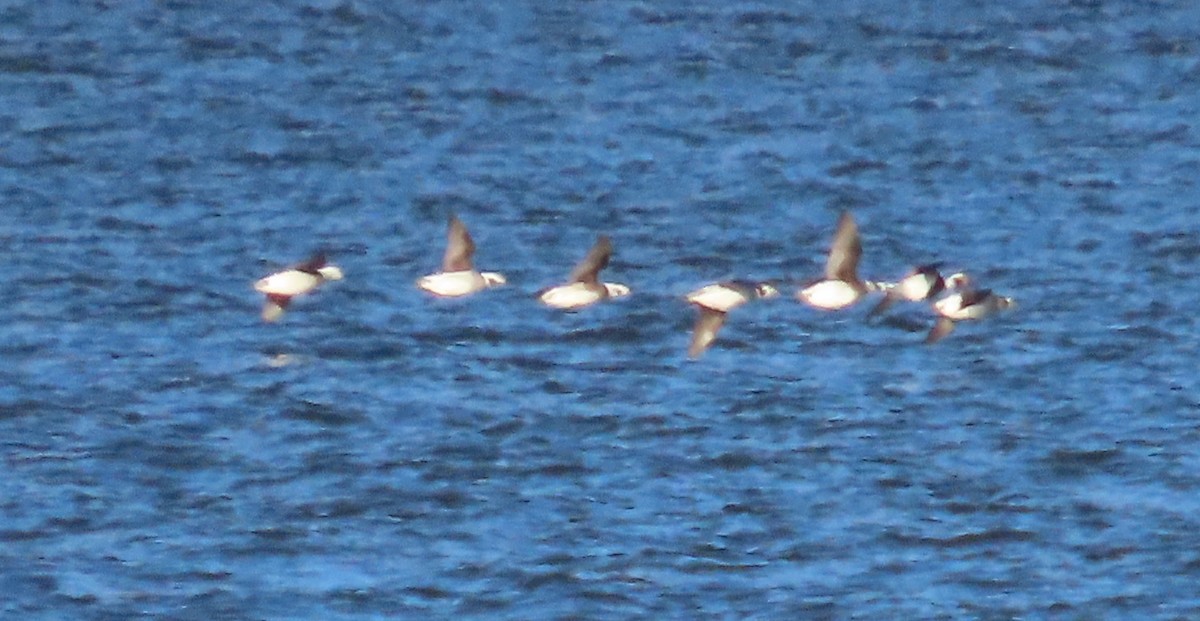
(380,454)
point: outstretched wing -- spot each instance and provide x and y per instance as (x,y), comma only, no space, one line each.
(845,251)
(459,247)
(939,331)
(274,306)
(888,299)
(708,323)
(971,297)
(314,263)
(588,270)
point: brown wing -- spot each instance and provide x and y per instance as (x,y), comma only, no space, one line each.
(459,247)
(708,323)
(845,251)
(314,263)
(940,329)
(588,270)
(972,297)
(274,306)
(888,299)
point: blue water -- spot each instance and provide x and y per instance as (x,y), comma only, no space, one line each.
(378,454)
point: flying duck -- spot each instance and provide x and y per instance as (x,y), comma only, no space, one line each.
(714,301)
(922,283)
(280,287)
(584,286)
(841,286)
(458,278)
(972,304)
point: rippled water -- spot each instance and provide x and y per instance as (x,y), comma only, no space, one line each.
(381,454)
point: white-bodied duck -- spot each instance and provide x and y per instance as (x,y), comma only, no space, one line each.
(923,283)
(458,276)
(713,303)
(280,287)
(584,286)
(841,287)
(968,305)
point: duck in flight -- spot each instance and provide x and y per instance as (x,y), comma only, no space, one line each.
(922,283)
(458,276)
(280,287)
(584,286)
(841,287)
(714,302)
(971,304)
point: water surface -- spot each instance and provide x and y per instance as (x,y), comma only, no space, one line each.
(381,454)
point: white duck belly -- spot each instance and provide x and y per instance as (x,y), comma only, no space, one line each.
(288,283)
(453,284)
(717,297)
(830,295)
(913,288)
(574,295)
